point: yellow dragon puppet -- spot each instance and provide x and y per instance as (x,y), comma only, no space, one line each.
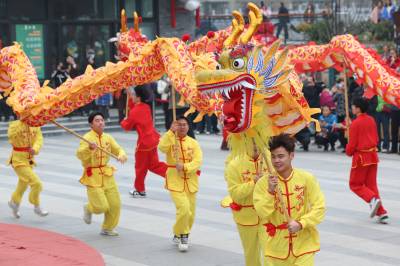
(252,87)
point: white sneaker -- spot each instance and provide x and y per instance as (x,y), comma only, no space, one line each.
(87,216)
(106,232)
(42,213)
(374,204)
(383,219)
(176,240)
(137,194)
(15,208)
(183,244)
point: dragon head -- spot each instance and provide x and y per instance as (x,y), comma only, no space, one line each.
(245,74)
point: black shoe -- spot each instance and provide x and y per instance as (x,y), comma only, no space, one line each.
(333,149)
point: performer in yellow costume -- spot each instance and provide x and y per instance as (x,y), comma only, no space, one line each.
(242,174)
(98,175)
(26,142)
(184,158)
(292,242)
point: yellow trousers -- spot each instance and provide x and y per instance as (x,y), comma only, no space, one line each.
(26,177)
(252,244)
(105,200)
(304,260)
(185,204)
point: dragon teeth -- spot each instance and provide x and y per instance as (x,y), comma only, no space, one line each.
(247,85)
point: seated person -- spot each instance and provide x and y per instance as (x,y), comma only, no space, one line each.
(304,137)
(327,135)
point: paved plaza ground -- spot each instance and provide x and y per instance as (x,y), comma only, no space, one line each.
(348,236)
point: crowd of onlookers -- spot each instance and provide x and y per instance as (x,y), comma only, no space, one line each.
(333,116)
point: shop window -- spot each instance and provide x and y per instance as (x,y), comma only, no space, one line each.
(87,44)
(83,9)
(147,28)
(3,8)
(27,10)
(4,36)
(147,9)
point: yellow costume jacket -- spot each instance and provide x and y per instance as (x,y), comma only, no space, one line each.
(95,162)
(189,153)
(305,203)
(23,137)
(239,175)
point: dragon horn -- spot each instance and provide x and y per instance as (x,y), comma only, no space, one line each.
(238,27)
(256,19)
(124,28)
(136,22)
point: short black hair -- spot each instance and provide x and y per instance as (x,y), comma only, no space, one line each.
(141,92)
(361,103)
(282,140)
(184,118)
(93,115)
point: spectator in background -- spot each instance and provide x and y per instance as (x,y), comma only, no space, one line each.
(284,20)
(376,11)
(163,88)
(382,117)
(72,67)
(266,11)
(385,53)
(311,92)
(387,11)
(327,135)
(59,76)
(304,137)
(121,98)
(326,98)
(309,13)
(339,100)
(103,104)
(395,124)
(393,60)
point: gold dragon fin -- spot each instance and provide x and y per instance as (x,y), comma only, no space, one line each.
(124,27)
(255,18)
(237,29)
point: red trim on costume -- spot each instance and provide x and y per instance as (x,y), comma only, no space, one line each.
(89,171)
(22,149)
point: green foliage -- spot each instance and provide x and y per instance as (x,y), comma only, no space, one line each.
(319,32)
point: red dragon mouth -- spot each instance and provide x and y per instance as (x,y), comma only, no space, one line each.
(238,99)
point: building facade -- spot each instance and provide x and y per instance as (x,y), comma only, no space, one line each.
(51,30)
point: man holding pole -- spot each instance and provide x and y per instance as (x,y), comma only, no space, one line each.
(184,158)
(98,176)
(26,142)
(241,175)
(289,217)
(363,140)
(146,156)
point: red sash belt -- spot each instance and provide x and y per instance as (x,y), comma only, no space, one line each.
(374,149)
(24,149)
(237,207)
(89,171)
(271,228)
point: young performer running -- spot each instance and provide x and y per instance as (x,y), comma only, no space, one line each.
(146,156)
(98,175)
(363,140)
(184,158)
(26,142)
(241,174)
(292,240)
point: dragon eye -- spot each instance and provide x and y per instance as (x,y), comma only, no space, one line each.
(238,63)
(218,66)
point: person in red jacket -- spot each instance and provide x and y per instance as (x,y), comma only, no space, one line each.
(363,140)
(146,156)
